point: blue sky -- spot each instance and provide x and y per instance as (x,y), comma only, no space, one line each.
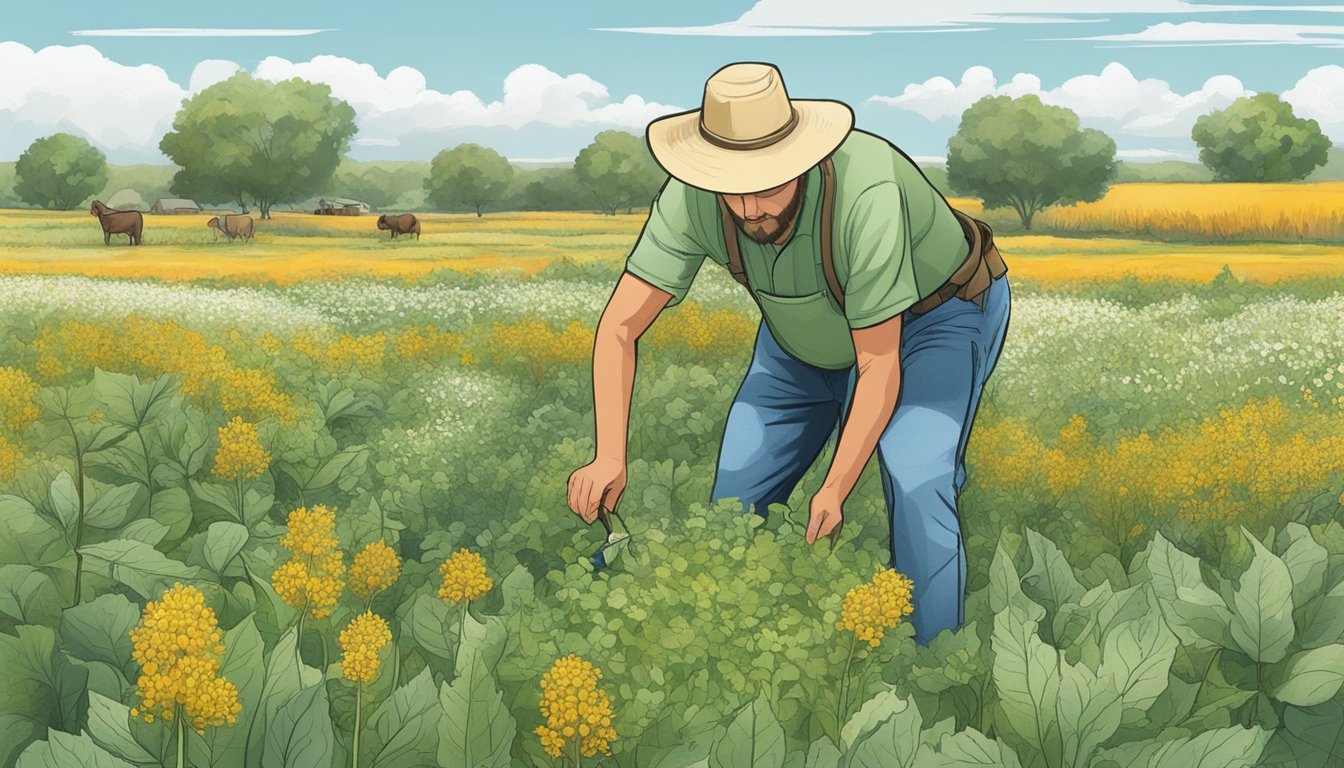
(575,68)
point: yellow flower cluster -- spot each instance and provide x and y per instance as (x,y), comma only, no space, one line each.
(361,641)
(374,569)
(364,352)
(10,457)
(532,341)
(871,608)
(18,406)
(575,708)
(153,347)
(464,577)
(314,577)
(715,332)
(177,644)
(425,343)
(240,454)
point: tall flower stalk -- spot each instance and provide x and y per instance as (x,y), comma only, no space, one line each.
(869,610)
(361,642)
(577,711)
(312,580)
(464,580)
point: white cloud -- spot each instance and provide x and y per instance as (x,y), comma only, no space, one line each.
(195,32)
(808,17)
(1115,100)
(1319,95)
(1153,155)
(1207,33)
(125,110)
(76,89)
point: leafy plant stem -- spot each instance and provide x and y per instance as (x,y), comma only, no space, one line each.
(843,704)
(181,740)
(79,524)
(359,711)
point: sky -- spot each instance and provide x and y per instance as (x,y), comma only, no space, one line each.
(537,80)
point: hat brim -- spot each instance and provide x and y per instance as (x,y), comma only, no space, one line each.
(678,146)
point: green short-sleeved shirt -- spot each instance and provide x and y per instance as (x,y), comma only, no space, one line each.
(895,242)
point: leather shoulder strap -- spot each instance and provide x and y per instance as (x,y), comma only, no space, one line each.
(827,226)
(735,267)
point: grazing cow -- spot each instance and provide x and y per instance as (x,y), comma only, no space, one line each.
(129,223)
(404,224)
(233,226)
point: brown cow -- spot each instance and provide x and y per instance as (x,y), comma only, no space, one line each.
(234,225)
(129,223)
(404,224)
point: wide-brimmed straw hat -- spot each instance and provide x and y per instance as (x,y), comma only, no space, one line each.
(748,135)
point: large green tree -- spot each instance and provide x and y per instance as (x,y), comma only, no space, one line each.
(1026,155)
(60,171)
(1258,138)
(618,171)
(380,184)
(249,139)
(467,176)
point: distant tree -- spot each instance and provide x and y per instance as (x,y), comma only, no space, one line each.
(618,171)
(127,199)
(60,171)
(1027,155)
(555,189)
(1258,138)
(467,176)
(378,184)
(248,139)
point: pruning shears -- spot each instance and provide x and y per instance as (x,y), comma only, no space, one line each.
(610,549)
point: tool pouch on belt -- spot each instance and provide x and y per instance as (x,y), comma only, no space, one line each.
(982,266)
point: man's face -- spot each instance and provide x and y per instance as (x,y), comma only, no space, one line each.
(765,215)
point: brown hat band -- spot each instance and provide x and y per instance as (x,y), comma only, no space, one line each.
(774,137)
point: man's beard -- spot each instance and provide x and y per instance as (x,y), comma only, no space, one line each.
(769,228)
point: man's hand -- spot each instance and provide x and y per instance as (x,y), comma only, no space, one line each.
(825,514)
(600,483)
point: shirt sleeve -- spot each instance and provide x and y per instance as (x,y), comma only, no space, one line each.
(667,254)
(879,276)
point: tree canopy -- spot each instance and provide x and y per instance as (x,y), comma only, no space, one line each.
(467,176)
(248,139)
(618,171)
(1258,138)
(60,171)
(1027,155)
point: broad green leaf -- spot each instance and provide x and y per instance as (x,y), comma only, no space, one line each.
(66,750)
(1005,588)
(403,730)
(484,639)
(137,565)
(286,678)
(1026,678)
(675,739)
(241,664)
(28,537)
(1088,712)
(476,727)
(146,529)
(63,501)
(37,681)
(1307,562)
(1323,619)
(754,738)
(1137,658)
(100,631)
(112,506)
(822,754)
(300,735)
(171,507)
(110,726)
(1222,748)
(1215,700)
(28,596)
(972,749)
(434,625)
(1050,581)
(1312,677)
(223,540)
(1194,612)
(128,402)
(1314,735)
(1262,607)
(871,714)
(19,732)
(894,741)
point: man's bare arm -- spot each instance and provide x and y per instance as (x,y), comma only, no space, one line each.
(632,308)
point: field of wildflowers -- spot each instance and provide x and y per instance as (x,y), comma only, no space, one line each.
(306,523)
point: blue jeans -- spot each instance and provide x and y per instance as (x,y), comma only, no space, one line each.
(786,410)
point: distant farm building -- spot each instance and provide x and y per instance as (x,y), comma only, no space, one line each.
(174,205)
(340,206)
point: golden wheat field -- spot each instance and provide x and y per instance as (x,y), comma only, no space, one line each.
(293,247)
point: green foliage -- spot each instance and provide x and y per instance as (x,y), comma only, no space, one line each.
(618,171)
(467,176)
(60,171)
(381,185)
(1027,155)
(1258,138)
(249,139)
